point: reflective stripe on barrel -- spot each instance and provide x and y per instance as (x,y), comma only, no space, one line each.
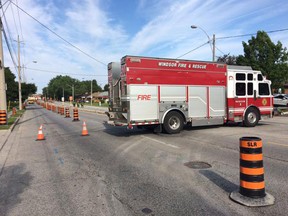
(251,167)
(3,117)
(67,112)
(75,114)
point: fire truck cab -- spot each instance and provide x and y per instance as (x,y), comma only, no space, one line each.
(168,93)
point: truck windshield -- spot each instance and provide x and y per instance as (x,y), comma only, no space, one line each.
(263,89)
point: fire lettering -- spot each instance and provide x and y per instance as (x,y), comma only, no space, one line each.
(143,97)
(199,66)
(168,64)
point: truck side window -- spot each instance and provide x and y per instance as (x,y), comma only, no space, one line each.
(240,89)
(240,76)
(250,76)
(263,89)
(260,77)
(250,88)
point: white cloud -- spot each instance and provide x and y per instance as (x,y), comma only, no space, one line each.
(167,33)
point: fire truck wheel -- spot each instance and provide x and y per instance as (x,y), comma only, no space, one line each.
(251,117)
(173,122)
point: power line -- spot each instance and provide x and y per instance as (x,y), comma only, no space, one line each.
(234,36)
(22,50)
(66,41)
(9,48)
(16,27)
(20,24)
(1,5)
(244,35)
(9,34)
(5,36)
(193,50)
(220,50)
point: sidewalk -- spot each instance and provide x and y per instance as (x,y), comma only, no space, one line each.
(4,134)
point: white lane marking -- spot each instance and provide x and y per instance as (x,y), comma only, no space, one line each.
(158,141)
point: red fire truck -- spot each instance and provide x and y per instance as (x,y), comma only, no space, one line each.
(169,93)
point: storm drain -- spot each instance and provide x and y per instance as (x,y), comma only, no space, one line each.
(197,165)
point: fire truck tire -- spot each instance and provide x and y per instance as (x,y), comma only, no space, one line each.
(173,122)
(251,117)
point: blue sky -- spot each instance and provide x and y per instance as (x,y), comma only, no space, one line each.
(110,29)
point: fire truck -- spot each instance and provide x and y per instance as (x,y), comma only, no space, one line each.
(169,93)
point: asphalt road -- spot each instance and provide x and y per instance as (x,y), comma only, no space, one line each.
(115,171)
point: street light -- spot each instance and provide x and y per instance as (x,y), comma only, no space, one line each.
(209,40)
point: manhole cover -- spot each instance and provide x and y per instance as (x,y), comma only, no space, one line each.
(146,211)
(197,165)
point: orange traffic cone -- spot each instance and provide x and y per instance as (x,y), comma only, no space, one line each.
(84,130)
(40,134)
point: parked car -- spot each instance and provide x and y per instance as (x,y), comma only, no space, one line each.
(281,100)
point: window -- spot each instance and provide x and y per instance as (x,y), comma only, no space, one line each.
(250,76)
(264,89)
(260,77)
(250,88)
(240,89)
(240,76)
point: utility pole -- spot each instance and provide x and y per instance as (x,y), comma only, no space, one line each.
(63,98)
(3,102)
(91,91)
(213,44)
(73,93)
(19,77)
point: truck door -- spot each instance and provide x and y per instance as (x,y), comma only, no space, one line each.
(240,102)
(262,97)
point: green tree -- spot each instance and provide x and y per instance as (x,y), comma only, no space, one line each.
(106,87)
(59,85)
(86,86)
(227,59)
(271,59)
(12,86)
(64,84)
(28,89)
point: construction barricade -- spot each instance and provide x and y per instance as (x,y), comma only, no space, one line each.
(67,112)
(252,186)
(62,111)
(3,117)
(75,114)
(14,111)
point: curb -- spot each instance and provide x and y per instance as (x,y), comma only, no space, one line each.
(93,111)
